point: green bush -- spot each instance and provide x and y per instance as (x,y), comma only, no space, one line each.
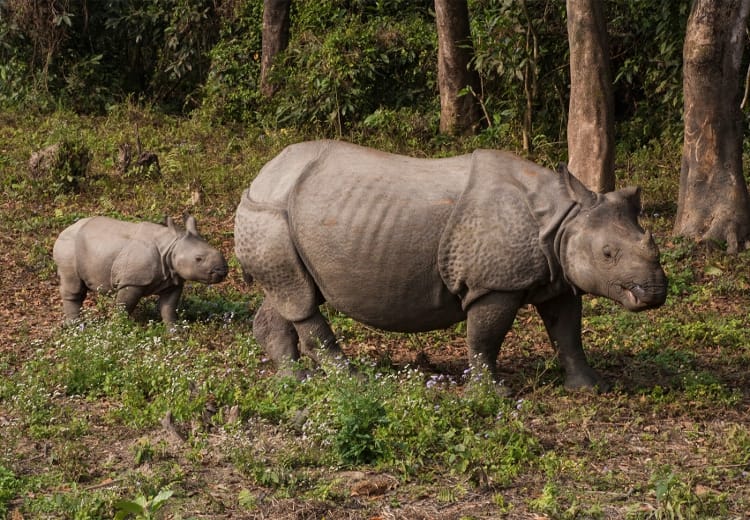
(9,485)
(62,167)
(340,67)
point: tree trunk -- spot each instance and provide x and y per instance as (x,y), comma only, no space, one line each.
(275,38)
(591,150)
(459,114)
(713,198)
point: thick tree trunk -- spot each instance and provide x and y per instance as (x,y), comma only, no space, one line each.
(591,150)
(713,198)
(459,114)
(275,39)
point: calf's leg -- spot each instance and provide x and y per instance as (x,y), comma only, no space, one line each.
(73,292)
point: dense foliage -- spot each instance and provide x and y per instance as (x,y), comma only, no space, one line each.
(351,65)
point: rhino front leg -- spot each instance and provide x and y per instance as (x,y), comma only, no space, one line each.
(128,297)
(167,304)
(562,318)
(488,320)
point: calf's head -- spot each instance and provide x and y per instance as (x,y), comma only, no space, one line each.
(192,258)
(605,251)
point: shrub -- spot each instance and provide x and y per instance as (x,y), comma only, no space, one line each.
(61,167)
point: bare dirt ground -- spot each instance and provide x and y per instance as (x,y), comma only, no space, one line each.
(628,436)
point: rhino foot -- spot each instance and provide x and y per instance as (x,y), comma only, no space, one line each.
(586,381)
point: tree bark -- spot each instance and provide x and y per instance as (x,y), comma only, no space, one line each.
(713,203)
(459,114)
(275,38)
(591,150)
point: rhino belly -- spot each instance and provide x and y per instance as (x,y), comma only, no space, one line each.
(370,239)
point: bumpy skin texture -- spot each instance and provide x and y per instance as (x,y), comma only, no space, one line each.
(135,259)
(409,244)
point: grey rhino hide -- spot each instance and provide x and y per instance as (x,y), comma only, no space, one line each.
(133,259)
(409,244)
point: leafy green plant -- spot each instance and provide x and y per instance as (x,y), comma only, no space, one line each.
(677,498)
(62,167)
(357,416)
(142,508)
(9,485)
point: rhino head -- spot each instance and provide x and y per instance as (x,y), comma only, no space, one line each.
(192,258)
(605,251)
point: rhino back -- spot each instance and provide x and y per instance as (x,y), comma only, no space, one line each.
(277,178)
(367,225)
(101,240)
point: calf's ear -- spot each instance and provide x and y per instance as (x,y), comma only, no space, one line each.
(575,188)
(170,223)
(191,226)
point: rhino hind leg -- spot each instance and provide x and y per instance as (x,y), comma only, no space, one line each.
(562,319)
(73,292)
(284,340)
(488,320)
(317,339)
(275,334)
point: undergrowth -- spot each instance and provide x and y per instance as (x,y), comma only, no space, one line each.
(123,416)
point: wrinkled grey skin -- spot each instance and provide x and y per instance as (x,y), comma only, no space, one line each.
(135,259)
(408,244)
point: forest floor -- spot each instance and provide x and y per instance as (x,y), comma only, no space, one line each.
(217,431)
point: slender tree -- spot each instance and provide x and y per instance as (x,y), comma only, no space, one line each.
(275,39)
(460,112)
(591,149)
(713,203)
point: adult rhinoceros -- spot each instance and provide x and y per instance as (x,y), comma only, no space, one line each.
(407,244)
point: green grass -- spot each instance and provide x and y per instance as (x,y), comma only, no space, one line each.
(83,408)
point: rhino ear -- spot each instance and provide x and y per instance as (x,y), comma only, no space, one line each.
(576,189)
(191,226)
(169,223)
(632,195)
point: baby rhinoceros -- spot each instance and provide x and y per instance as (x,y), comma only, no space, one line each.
(134,259)
(408,245)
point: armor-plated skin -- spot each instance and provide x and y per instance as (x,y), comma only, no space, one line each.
(409,244)
(134,259)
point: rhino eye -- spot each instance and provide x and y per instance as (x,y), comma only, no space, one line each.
(199,259)
(610,253)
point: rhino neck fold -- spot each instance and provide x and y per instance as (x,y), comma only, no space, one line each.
(561,241)
(167,268)
(552,238)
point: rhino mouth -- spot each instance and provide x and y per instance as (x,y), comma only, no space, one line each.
(640,297)
(217,275)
